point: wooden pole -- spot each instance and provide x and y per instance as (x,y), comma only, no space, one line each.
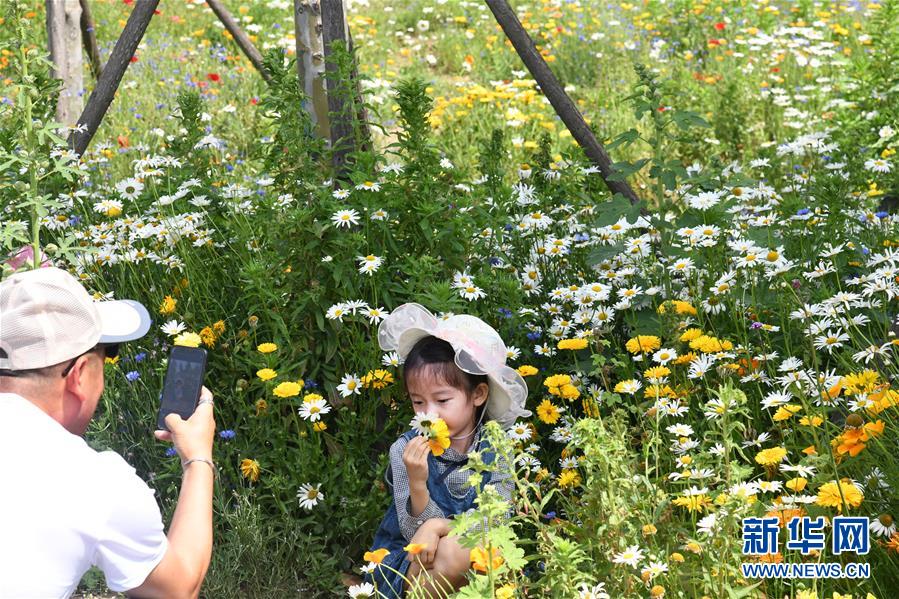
(334,35)
(109,81)
(89,37)
(555,93)
(307,18)
(64,42)
(241,38)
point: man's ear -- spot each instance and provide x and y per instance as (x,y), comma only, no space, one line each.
(479,395)
(78,377)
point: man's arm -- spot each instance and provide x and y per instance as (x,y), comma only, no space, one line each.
(183,567)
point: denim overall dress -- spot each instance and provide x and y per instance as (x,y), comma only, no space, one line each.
(388,576)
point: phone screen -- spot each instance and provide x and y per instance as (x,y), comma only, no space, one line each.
(183,383)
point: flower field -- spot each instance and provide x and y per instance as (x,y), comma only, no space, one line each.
(725,349)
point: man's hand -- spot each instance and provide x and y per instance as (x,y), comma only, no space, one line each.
(192,437)
(415,458)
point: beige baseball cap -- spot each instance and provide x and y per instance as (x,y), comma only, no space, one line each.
(48,317)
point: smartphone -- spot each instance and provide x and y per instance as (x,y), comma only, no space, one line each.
(183,383)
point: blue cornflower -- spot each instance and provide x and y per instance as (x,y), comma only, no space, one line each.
(132,376)
(140,357)
(310,384)
(227,434)
(533,335)
(505,312)
(170,452)
(507,227)
(803,211)
(881,214)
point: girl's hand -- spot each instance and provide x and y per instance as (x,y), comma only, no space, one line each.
(429,537)
(415,458)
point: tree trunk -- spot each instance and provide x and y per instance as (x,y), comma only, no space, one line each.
(103,93)
(241,38)
(307,16)
(89,37)
(555,93)
(64,41)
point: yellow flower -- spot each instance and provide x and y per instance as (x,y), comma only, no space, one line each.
(833,493)
(557,380)
(573,344)
(771,456)
(219,327)
(569,392)
(377,556)
(438,439)
(311,397)
(657,372)
(690,334)
(287,389)
(785,412)
(479,559)
(319,426)
(266,348)
(377,379)
(250,469)
(710,345)
(208,336)
(693,503)
(569,478)
(168,305)
(642,344)
(266,374)
(548,412)
(261,406)
(527,370)
(507,591)
(188,340)
(680,307)
(796,484)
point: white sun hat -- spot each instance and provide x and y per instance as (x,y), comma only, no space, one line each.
(479,350)
(48,317)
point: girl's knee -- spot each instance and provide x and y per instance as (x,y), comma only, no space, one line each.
(452,560)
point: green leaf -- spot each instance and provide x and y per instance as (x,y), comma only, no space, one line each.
(625,139)
(685,119)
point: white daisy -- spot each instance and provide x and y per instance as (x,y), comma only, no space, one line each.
(129,188)
(349,385)
(369,264)
(309,497)
(345,218)
(173,327)
(312,410)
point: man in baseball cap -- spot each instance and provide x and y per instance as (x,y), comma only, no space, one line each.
(70,507)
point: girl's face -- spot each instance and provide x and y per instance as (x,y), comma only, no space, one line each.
(431,393)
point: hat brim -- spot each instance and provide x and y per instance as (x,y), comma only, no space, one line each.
(122,320)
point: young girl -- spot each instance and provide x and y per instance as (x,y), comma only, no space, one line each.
(455,368)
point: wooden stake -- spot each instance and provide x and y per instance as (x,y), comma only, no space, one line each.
(243,42)
(307,19)
(109,81)
(89,37)
(64,42)
(333,35)
(555,93)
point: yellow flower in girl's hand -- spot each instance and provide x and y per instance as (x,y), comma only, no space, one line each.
(434,428)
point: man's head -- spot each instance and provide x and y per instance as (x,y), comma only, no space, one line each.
(53,341)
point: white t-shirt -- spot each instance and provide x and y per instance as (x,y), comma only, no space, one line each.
(65,507)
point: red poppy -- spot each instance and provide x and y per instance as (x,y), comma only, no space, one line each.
(720,26)
(254,101)
(714,42)
(123,141)
(215,77)
(134,58)
(128,1)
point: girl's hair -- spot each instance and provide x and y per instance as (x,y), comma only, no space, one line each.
(440,357)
